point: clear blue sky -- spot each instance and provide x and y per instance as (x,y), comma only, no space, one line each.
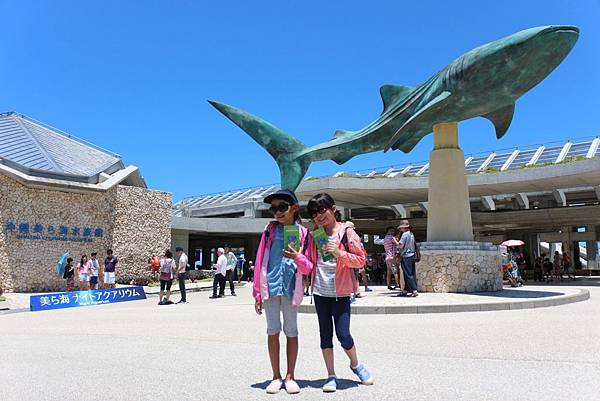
(134,77)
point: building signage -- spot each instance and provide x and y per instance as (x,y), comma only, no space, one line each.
(61,232)
(63,300)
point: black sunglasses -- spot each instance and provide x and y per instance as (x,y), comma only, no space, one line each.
(282,208)
(314,213)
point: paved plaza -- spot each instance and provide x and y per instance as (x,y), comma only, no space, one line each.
(216,349)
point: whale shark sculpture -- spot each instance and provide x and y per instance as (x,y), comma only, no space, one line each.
(485,82)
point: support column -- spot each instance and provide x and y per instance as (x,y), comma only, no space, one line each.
(449,209)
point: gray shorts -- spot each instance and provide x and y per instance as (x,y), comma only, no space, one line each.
(274,308)
(392,266)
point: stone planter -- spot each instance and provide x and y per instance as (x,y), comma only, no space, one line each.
(457,266)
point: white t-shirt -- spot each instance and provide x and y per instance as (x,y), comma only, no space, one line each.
(183,261)
(95,267)
(325,275)
(221,265)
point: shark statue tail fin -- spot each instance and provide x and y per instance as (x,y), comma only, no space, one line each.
(285,149)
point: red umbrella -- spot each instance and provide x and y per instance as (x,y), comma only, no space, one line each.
(512,242)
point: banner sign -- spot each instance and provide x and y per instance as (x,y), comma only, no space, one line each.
(74,299)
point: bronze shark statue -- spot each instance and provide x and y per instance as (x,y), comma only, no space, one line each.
(485,82)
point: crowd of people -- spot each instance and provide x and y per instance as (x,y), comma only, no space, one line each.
(89,271)
(546,270)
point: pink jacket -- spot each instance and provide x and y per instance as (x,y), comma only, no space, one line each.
(354,258)
(260,290)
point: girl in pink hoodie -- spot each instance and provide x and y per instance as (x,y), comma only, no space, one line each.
(278,289)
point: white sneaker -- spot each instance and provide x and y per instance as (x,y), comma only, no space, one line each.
(274,386)
(292,387)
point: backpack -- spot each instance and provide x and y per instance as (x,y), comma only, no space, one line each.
(166,269)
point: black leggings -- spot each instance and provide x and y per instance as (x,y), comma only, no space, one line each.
(165,283)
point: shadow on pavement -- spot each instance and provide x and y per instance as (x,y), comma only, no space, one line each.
(342,384)
(509,293)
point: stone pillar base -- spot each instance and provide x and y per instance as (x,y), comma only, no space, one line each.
(459,266)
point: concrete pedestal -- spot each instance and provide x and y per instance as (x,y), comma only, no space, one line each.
(459,266)
(449,214)
(450,260)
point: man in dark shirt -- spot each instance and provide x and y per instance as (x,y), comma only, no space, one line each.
(110,264)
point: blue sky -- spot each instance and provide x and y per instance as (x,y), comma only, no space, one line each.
(134,77)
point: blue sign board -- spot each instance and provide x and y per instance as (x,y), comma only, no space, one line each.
(63,300)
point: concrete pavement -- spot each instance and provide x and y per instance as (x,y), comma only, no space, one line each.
(216,349)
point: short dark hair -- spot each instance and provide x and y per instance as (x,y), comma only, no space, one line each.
(179,249)
(318,201)
(94,253)
(168,254)
(69,260)
(109,251)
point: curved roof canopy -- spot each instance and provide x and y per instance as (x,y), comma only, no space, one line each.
(38,150)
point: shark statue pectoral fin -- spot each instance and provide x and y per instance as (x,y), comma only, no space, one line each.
(501,119)
(419,125)
(392,93)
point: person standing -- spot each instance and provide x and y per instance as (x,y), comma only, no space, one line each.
(277,287)
(182,266)
(84,273)
(69,274)
(332,286)
(231,264)
(389,245)
(167,267)
(408,251)
(220,271)
(250,271)
(557,264)
(94,271)
(110,267)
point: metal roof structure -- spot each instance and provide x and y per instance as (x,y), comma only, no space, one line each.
(555,153)
(39,150)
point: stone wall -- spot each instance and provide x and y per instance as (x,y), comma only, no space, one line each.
(142,228)
(459,270)
(132,220)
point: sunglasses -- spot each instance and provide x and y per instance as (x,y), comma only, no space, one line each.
(281,208)
(314,213)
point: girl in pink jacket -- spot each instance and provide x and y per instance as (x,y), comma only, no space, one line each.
(278,289)
(333,284)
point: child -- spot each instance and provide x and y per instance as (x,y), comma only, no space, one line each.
(332,286)
(94,270)
(278,286)
(84,267)
(68,274)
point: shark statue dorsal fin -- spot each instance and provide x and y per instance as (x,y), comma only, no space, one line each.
(501,119)
(393,93)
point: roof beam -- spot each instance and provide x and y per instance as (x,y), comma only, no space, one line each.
(424,206)
(422,170)
(536,156)
(486,163)
(510,159)
(400,211)
(593,148)
(559,197)
(522,200)
(468,160)
(488,203)
(563,153)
